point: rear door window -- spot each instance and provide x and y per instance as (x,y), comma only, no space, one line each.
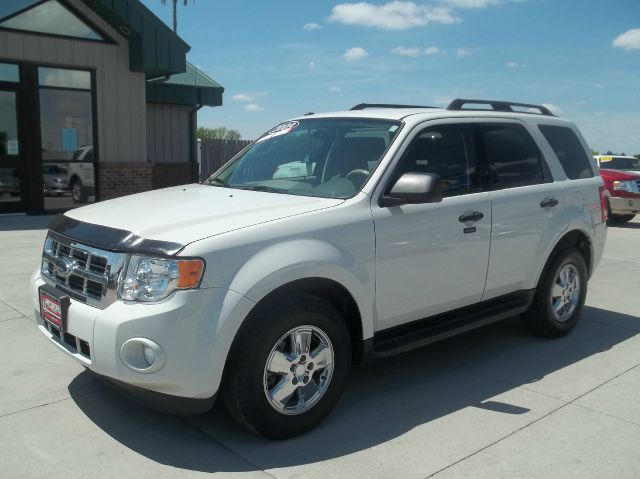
(513,156)
(567,147)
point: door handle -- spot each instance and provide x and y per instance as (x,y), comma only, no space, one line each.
(469,217)
(548,203)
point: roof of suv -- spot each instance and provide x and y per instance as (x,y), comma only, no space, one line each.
(455,109)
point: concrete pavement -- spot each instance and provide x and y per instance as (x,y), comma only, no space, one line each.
(495,402)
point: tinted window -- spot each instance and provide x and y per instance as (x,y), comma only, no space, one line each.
(567,147)
(446,151)
(514,158)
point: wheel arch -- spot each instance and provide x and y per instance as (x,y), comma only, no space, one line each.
(573,239)
(326,289)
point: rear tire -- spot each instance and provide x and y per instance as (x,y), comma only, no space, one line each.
(560,295)
(618,219)
(280,384)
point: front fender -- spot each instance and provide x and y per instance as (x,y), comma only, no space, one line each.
(283,263)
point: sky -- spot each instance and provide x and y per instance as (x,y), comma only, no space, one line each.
(281,59)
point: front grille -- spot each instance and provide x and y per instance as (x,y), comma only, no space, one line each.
(86,273)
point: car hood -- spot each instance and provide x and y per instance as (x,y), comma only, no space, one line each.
(184,214)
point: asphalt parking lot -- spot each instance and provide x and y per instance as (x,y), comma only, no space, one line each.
(492,403)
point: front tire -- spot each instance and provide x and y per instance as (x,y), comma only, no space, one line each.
(78,192)
(287,368)
(560,295)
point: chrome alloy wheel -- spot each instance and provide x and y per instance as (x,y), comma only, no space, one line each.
(565,293)
(298,370)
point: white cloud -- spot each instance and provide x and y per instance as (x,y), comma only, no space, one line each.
(556,110)
(312,65)
(395,15)
(513,65)
(473,3)
(355,54)
(253,107)
(335,89)
(629,40)
(599,86)
(464,52)
(581,102)
(248,96)
(312,26)
(407,52)
(432,51)
(243,97)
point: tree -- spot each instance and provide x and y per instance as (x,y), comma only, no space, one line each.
(175,12)
(221,133)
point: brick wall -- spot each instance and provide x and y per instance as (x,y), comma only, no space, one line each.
(174,174)
(120,179)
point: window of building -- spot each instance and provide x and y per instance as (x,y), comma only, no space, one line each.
(567,147)
(514,158)
(446,151)
(66,126)
(9,73)
(8,124)
(50,17)
(66,115)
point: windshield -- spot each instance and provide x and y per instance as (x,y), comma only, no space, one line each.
(620,163)
(326,157)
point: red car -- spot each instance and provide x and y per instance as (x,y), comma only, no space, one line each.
(621,176)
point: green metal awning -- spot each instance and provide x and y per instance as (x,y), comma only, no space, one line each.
(153,47)
(193,87)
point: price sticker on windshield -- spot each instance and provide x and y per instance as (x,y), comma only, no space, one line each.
(281,129)
(606,158)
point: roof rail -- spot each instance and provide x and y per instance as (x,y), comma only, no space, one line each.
(362,106)
(458,103)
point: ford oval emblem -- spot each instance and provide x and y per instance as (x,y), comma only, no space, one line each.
(64,267)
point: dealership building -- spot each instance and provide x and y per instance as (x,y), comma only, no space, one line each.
(97,101)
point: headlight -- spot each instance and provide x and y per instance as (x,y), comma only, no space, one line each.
(153,279)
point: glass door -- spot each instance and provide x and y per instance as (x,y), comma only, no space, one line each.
(66,125)
(11,154)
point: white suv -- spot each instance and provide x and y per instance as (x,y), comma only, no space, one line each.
(333,239)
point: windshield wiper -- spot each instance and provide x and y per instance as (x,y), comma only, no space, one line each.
(268,189)
(216,182)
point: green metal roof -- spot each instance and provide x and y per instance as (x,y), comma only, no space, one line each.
(153,47)
(192,87)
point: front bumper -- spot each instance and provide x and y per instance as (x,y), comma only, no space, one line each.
(186,327)
(624,206)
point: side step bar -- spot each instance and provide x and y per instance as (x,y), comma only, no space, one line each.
(435,328)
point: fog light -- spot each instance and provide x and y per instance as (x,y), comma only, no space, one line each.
(149,355)
(143,355)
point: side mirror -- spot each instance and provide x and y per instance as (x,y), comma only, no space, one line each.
(414,188)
